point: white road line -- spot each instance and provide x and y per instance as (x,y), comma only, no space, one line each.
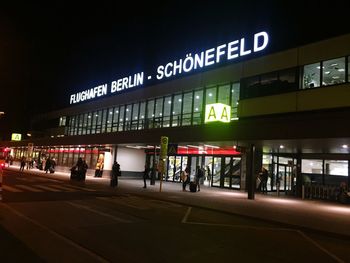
(122,201)
(82,188)
(184,220)
(11,189)
(61,187)
(48,188)
(26,187)
(320,247)
(121,220)
(76,245)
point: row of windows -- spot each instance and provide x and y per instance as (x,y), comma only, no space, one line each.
(324,73)
(181,109)
(187,108)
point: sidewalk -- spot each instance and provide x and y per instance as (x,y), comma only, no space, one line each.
(332,218)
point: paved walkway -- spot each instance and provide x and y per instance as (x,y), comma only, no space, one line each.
(332,218)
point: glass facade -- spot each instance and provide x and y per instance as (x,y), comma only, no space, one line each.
(182,109)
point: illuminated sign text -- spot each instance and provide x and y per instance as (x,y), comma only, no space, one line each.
(217,112)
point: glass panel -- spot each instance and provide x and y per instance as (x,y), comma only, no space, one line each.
(84,119)
(224,94)
(171,167)
(121,118)
(234,99)
(312,171)
(288,80)
(150,114)
(142,115)
(210,96)
(336,172)
(187,109)
(158,116)
(88,120)
(216,171)
(178,168)
(193,169)
(208,162)
(311,77)
(197,107)
(167,111)
(98,121)
(115,119)
(333,71)
(104,120)
(127,117)
(135,116)
(227,175)
(109,119)
(177,110)
(236,173)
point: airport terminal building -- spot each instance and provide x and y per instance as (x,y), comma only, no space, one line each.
(229,109)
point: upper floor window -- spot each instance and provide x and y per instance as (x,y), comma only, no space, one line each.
(333,71)
(62,121)
(312,75)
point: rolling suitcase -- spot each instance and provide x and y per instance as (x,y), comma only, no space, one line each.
(193,187)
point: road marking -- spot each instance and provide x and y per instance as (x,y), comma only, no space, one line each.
(121,201)
(184,220)
(26,187)
(11,189)
(72,243)
(48,188)
(65,188)
(320,247)
(121,220)
(82,188)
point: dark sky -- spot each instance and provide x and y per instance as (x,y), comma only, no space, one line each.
(48,52)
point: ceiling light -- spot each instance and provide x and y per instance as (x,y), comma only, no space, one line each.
(345,146)
(281,146)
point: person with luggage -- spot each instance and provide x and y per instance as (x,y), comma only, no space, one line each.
(186,178)
(115,173)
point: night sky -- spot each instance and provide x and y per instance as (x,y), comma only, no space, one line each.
(48,52)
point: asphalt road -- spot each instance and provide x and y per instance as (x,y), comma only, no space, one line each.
(46,219)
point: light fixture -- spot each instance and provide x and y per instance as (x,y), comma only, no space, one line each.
(281,146)
(345,146)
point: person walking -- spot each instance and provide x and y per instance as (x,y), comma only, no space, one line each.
(264,177)
(115,173)
(145,175)
(186,178)
(23,163)
(199,176)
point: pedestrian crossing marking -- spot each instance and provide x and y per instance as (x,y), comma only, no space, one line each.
(26,187)
(11,189)
(48,188)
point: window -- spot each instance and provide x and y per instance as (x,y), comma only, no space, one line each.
(109,119)
(311,75)
(167,111)
(197,107)
(135,116)
(234,99)
(121,118)
(224,94)
(62,121)
(210,96)
(333,71)
(115,119)
(158,115)
(150,114)
(311,166)
(142,115)
(128,109)
(177,107)
(336,167)
(187,109)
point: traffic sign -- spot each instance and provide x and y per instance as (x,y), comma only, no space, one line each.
(163,147)
(172,149)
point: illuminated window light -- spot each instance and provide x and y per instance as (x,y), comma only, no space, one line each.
(210,94)
(169,101)
(152,115)
(281,146)
(345,146)
(142,117)
(196,109)
(111,112)
(117,112)
(327,72)
(197,97)
(89,116)
(341,70)
(180,100)
(334,64)
(127,109)
(160,114)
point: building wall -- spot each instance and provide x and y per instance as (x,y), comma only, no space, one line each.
(131,160)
